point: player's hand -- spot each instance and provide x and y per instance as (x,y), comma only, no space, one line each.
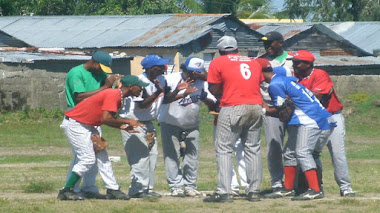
(128,128)
(159,88)
(189,90)
(135,123)
(187,83)
(111,80)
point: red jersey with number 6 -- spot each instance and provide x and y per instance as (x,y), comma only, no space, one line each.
(319,81)
(240,76)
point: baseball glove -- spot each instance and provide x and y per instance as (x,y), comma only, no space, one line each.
(285,111)
(99,143)
(149,137)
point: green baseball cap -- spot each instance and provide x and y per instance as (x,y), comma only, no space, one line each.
(104,59)
(131,80)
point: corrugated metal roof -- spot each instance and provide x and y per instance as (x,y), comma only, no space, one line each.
(346,61)
(363,34)
(109,31)
(28,57)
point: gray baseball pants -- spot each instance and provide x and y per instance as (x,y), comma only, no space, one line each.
(175,177)
(141,160)
(336,146)
(304,146)
(79,136)
(240,121)
(274,136)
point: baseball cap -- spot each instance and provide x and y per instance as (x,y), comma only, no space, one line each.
(227,43)
(131,80)
(272,36)
(153,60)
(195,64)
(265,64)
(104,59)
(303,55)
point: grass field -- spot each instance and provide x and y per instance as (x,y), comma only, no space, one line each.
(35,156)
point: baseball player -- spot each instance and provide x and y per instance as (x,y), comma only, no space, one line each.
(82,120)
(235,80)
(240,164)
(274,128)
(82,82)
(309,127)
(179,117)
(319,82)
(142,155)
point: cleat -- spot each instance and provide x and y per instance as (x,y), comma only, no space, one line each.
(69,194)
(310,194)
(280,192)
(116,195)
(92,195)
(253,197)
(347,193)
(219,198)
(192,193)
(177,193)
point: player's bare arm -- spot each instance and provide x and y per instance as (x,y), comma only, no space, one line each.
(149,100)
(108,118)
(216,90)
(173,96)
(108,84)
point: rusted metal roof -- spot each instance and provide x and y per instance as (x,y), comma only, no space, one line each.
(167,30)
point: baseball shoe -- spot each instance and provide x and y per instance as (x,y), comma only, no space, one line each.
(92,195)
(253,197)
(69,194)
(154,194)
(146,194)
(310,194)
(235,193)
(219,198)
(280,192)
(116,195)
(192,193)
(177,193)
(347,192)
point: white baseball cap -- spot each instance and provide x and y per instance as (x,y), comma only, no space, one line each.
(195,64)
(227,43)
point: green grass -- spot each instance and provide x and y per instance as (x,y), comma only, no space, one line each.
(35,156)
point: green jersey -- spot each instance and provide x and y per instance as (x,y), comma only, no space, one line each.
(80,80)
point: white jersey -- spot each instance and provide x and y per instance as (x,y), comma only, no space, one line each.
(280,61)
(131,108)
(183,112)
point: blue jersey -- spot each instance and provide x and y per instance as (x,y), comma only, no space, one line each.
(308,110)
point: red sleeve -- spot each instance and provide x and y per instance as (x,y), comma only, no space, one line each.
(213,75)
(112,101)
(321,82)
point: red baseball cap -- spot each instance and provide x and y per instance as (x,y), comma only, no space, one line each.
(303,55)
(265,64)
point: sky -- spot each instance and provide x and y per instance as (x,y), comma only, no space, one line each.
(277,4)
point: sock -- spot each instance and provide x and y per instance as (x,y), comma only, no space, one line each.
(72,180)
(290,176)
(312,180)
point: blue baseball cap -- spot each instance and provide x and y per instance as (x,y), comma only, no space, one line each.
(195,64)
(153,60)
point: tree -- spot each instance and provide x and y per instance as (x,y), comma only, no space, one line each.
(333,10)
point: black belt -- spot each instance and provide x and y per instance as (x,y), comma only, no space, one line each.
(67,118)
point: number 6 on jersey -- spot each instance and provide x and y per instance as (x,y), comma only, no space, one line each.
(245,71)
